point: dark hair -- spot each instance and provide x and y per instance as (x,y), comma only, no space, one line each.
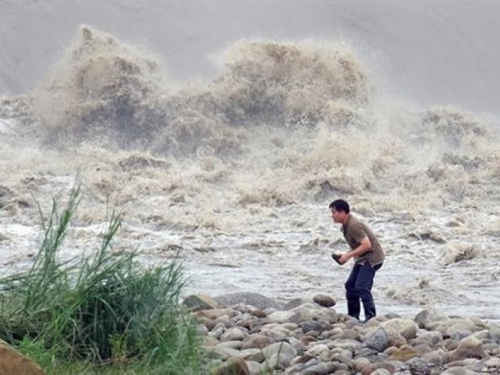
(340,205)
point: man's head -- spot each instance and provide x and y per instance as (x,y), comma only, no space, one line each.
(339,210)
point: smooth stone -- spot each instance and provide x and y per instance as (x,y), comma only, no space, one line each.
(404,327)
(216,313)
(470,347)
(234,334)
(233,366)
(257,341)
(283,348)
(225,353)
(367,370)
(429,316)
(315,325)
(247,298)
(377,340)
(199,302)
(316,350)
(319,369)
(231,344)
(303,313)
(324,300)
(404,353)
(254,368)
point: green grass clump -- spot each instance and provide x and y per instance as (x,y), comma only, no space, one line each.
(102,311)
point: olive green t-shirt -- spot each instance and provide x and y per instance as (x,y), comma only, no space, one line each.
(354,232)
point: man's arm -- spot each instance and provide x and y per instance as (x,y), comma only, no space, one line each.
(364,246)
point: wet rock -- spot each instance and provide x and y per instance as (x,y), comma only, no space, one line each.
(375,366)
(296,302)
(493,363)
(319,369)
(418,366)
(317,350)
(234,334)
(252,299)
(459,335)
(377,340)
(361,363)
(225,321)
(428,316)
(257,341)
(225,353)
(230,344)
(209,342)
(324,300)
(458,371)
(283,348)
(470,347)
(315,325)
(303,313)
(404,353)
(404,327)
(233,366)
(254,368)
(216,313)
(199,302)
(432,337)
(381,371)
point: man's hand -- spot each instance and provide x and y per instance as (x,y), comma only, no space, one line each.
(345,258)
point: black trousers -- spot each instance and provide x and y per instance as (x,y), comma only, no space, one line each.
(359,287)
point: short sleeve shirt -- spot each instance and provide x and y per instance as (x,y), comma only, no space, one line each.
(354,232)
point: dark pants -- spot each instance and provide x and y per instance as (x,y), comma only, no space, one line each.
(359,287)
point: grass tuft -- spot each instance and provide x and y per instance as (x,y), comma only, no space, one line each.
(100,309)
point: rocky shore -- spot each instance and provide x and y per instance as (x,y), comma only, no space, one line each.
(247,333)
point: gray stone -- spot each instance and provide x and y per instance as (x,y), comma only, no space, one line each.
(427,316)
(320,369)
(257,341)
(324,300)
(253,299)
(234,334)
(303,313)
(230,344)
(233,366)
(199,302)
(404,327)
(254,368)
(318,325)
(459,335)
(377,340)
(283,348)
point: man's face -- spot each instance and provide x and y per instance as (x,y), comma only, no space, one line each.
(337,216)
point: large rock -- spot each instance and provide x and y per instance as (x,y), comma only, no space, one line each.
(14,363)
(428,316)
(404,353)
(199,302)
(404,327)
(281,348)
(253,299)
(470,347)
(234,334)
(257,341)
(377,340)
(216,313)
(303,313)
(324,300)
(233,366)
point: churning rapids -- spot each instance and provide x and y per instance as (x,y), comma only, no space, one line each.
(233,172)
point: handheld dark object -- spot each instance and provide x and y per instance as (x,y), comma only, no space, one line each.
(336,257)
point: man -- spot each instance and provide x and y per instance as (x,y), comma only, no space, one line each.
(368,258)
